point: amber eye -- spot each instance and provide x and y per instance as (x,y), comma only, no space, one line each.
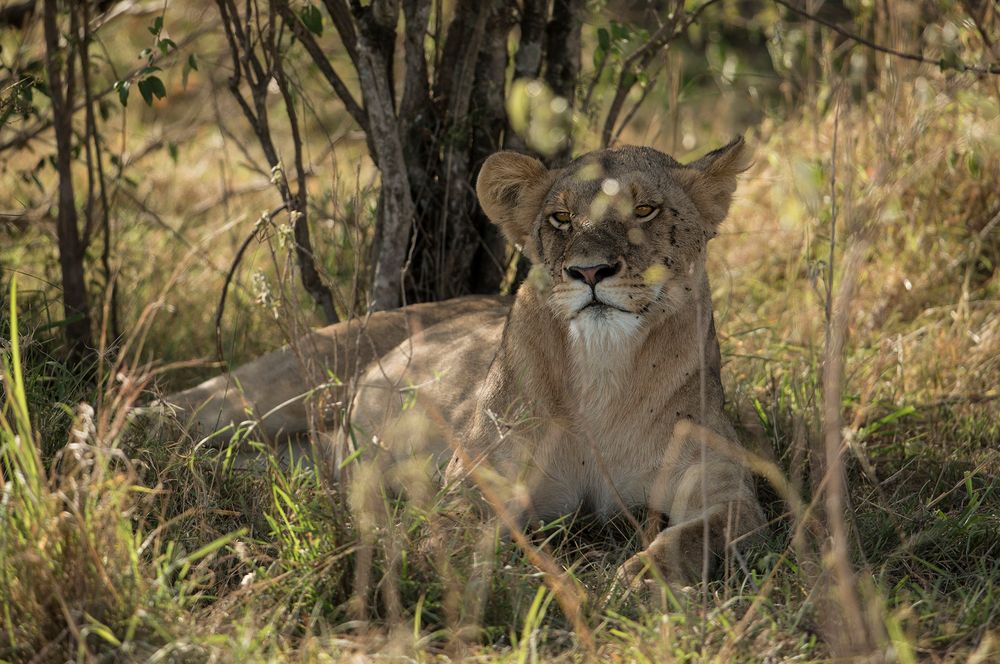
(645,212)
(560,219)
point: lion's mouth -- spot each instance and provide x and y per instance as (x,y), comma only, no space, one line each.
(601,305)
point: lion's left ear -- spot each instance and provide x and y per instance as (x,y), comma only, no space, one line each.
(711,180)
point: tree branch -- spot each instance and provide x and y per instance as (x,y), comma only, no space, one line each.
(309,275)
(220,308)
(915,57)
(323,64)
(340,14)
(639,60)
(258,77)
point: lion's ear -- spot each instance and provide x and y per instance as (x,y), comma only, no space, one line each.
(711,180)
(511,188)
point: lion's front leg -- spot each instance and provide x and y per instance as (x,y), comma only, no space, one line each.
(713,509)
(679,552)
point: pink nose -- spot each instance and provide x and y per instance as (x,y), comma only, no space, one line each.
(593,274)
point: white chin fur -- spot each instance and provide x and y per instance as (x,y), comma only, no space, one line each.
(602,333)
(602,340)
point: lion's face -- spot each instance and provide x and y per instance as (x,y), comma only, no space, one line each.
(618,236)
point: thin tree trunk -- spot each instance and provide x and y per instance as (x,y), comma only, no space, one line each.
(95,164)
(457,241)
(396,205)
(488,261)
(530,55)
(71,249)
(562,59)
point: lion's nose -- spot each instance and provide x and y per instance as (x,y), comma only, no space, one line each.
(592,274)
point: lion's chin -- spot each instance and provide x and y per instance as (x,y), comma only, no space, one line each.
(604,328)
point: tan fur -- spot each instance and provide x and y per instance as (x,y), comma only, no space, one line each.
(583,397)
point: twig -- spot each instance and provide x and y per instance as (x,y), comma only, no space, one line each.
(323,64)
(97,164)
(634,109)
(25,136)
(828,310)
(221,307)
(247,64)
(308,273)
(641,58)
(916,57)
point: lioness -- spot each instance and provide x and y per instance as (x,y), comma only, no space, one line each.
(597,388)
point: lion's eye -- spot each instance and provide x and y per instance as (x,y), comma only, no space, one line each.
(560,219)
(644,212)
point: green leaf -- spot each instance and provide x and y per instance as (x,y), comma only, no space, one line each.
(599,55)
(159,89)
(974,164)
(156,27)
(312,18)
(189,66)
(152,87)
(172,151)
(165,45)
(122,88)
(603,39)
(146,91)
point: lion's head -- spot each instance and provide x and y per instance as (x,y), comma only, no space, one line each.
(618,235)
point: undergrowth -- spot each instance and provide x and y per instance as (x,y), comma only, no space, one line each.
(132,543)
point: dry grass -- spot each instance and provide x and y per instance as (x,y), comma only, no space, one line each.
(125,544)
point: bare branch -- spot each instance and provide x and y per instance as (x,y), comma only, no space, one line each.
(247,63)
(220,308)
(96,162)
(677,23)
(323,64)
(342,21)
(915,57)
(309,275)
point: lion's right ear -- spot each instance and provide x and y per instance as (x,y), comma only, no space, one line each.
(511,188)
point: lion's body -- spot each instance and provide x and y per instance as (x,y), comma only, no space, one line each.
(597,389)
(274,389)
